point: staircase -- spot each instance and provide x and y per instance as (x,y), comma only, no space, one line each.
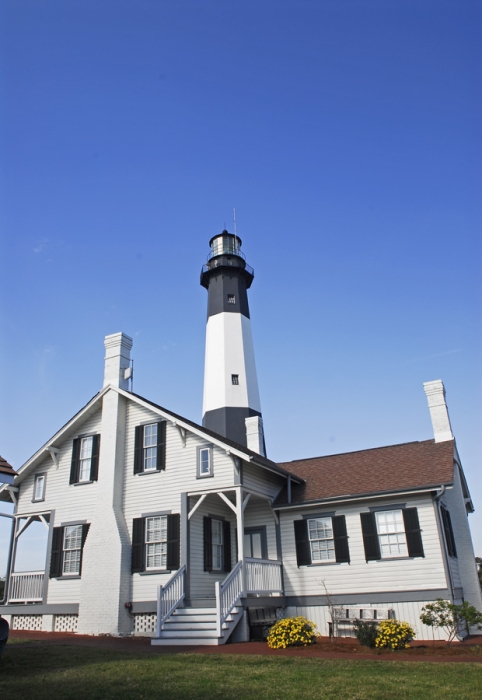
(196,626)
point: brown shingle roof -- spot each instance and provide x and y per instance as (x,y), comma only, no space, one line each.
(6,468)
(412,465)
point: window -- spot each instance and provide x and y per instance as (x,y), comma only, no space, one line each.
(217,544)
(231,298)
(150,448)
(449,532)
(156,543)
(205,462)
(72,549)
(391,533)
(320,532)
(85,459)
(67,547)
(321,539)
(235,379)
(39,487)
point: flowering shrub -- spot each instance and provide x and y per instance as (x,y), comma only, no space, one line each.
(292,631)
(393,634)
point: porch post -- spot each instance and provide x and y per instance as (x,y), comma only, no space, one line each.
(240,532)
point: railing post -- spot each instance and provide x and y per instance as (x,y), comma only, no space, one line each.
(217,587)
(159,612)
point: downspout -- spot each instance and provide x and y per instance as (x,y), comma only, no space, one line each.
(448,573)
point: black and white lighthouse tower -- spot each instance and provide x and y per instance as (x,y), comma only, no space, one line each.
(231,405)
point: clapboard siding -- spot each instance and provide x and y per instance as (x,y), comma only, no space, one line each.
(203,582)
(60,495)
(262,480)
(258,513)
(144,493)
(385,575)
(405,612)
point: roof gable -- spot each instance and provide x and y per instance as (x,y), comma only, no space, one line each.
(396,468)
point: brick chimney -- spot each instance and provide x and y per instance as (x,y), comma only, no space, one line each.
(435,392)
(117,360)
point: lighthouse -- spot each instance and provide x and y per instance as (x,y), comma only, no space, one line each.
(231,405)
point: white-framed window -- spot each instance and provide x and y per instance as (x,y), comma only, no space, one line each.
(321,538)
(85,462)
(217,544)
(391,533)
(72,549)
(39,487)
(156,542)
(150,447)
(205,462)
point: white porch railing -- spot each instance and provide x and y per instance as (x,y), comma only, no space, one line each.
(228,592)
(263,576)
(26,587)
(169,597)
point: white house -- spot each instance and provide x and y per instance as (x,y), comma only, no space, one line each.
(159,526)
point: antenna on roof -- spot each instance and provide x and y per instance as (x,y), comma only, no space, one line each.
(234,218)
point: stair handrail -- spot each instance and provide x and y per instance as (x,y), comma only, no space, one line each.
(169,597)
(228,593)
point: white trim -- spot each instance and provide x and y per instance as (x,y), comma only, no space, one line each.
(196,506)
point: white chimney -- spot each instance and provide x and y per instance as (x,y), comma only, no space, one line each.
(435,392)
(255,434)
(117,360)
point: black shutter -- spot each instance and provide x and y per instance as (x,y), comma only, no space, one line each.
(161,445)
(413,532)
(208,544)
(75,464)
(342,553)
(85,530)
(94,462)
(370,536)
(303,549)
(139,449)
(227,545)
(138,545)
(56,553)
(449,533)
(173,541)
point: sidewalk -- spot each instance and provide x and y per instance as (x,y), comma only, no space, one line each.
(143,645)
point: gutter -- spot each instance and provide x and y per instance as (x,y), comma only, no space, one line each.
(358,497)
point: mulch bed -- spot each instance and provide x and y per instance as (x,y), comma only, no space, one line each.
(468,651)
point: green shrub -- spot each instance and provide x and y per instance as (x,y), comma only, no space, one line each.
(451,617)
(393,634)
(365,632)
(292,631)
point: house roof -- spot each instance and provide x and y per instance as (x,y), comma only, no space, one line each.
(6,468)
(396,468)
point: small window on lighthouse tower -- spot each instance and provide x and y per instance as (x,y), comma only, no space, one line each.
(235,379)
(231,298)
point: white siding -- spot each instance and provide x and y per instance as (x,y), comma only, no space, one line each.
(262,480)
(422,573)
(404,612)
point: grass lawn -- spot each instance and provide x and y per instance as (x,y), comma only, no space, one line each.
(35,670)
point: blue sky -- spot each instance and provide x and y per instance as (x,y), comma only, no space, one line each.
(347,136)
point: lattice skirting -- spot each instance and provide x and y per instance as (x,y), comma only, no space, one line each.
(145,624)
(27,622)
(66,623)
